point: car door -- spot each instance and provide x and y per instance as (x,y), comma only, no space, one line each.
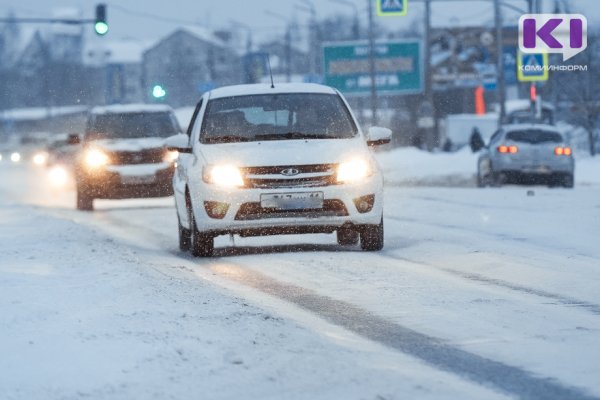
(180,179)
(485,159)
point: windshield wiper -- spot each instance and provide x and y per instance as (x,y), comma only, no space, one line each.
(226,139)
(291,135)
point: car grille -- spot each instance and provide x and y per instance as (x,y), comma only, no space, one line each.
(149,156)
(253,211)
(290,176)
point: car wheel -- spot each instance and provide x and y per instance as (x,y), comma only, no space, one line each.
(568,181)
(185,237)
(85,202)
(371,237)
(496,179)
(347,237)
(480,180)
(202,244)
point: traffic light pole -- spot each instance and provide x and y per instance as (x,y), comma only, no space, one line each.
(47,21)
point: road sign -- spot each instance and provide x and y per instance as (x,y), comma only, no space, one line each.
(532,67)
(398,66)
(392,8)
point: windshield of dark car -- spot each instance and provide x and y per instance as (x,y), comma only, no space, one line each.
(534,136)
(132,125)
(277,117)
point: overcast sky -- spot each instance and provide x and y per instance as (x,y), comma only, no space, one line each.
(152,19)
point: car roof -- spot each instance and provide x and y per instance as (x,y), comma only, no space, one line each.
(521,127)
(130,108)
(263,88)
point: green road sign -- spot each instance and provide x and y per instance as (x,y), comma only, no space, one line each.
(398,66)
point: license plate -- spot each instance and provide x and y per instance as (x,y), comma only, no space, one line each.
(292,201)
(138,179)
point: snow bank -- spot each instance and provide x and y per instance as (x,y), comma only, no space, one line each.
(413,167)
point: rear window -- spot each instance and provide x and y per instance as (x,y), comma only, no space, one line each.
(132,125)
(534,136)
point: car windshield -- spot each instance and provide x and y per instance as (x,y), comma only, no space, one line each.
(132,125)
(277,117)
(534,136)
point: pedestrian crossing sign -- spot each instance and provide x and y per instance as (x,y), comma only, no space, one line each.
(392,8)
(532,67)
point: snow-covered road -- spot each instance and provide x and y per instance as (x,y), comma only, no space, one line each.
(478,294)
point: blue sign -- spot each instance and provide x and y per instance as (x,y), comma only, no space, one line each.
(206,86)
(392,8)
(532,67)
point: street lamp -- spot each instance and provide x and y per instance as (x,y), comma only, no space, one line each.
(315,35)
(248,33)
(288,44)
(356,25)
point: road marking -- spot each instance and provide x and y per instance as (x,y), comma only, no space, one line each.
(434,351)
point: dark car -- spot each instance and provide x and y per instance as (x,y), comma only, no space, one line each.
(122,154)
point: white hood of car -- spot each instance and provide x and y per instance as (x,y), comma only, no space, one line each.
(132,145)
(285,152)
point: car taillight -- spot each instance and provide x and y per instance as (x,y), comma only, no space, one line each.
(508,149)
(563,151)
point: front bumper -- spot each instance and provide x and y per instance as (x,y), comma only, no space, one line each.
(124,182)
(246,217)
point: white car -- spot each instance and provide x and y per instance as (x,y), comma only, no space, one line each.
(524,153)
(263,160)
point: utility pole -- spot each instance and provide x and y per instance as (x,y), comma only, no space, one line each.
(427,55)
(372,72)
(500,62)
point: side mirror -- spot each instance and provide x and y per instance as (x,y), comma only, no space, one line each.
(73,139)
(377,136)
(179,142)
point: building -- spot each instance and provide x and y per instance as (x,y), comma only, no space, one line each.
(186,63)
(118,66)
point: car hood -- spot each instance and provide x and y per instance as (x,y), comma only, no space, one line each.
(131,145)
(285,152)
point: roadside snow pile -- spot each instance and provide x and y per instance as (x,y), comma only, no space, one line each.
(587,170)
(410,166)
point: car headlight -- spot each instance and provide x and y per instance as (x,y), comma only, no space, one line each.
(40,158)
(95,158)
(223,175)
(15,157)
(58,176)
(170,156)
(353,170)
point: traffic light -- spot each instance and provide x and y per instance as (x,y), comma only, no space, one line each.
(158,92)
(100,24)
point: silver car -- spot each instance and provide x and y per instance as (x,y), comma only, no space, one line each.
(526,153)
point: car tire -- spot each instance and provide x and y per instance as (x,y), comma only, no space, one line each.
(185,237)
(201,243)
(347,237)
(371,237)
(496,179)
(568,181)
(85,202)
(480,181)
